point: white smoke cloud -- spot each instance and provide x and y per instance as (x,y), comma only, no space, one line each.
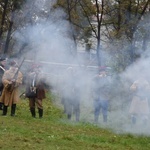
(50,40)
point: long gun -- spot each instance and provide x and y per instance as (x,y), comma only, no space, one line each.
(16,74)
(10,88)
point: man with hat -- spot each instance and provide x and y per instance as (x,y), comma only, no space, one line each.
(11,80)
(2,70)
(100,93)
(35,90)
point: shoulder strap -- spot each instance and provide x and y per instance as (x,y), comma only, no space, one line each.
(2,68)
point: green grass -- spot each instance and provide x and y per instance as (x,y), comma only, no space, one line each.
(55,132)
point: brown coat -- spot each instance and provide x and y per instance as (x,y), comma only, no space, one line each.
(139,104)
(10,97)
(39,84)
(40,88)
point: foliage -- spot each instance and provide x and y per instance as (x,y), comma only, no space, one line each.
(79,14)
(124,21)
(93,23)
(8,15)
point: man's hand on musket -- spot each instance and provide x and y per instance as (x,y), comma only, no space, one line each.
(13,81)
(11,85)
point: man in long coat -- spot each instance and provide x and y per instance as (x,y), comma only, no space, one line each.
(139,105)
(10,95)
(2,70)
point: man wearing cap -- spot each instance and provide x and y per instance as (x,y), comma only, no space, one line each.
(11,83)
(2,70)
(100,93)
(35,90)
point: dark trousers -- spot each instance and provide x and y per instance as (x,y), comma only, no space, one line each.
(72,106)
(32,103)
(100,104)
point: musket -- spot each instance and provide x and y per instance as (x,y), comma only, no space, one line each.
(22,94)
(11,86)
(16,74)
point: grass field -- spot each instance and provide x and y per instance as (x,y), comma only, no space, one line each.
(55,132)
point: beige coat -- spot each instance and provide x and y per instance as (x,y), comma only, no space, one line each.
(10,92)
(139,104)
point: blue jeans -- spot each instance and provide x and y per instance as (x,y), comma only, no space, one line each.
(98,105)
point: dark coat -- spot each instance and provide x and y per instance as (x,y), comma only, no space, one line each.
(39,86)
(101,87)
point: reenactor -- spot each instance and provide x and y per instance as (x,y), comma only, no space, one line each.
(35,90)
(3,61)
(71,94)
(11,80)
(100,93)
(139,107)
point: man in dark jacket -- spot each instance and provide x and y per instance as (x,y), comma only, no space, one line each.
(2,70)
(100,91)
(35,90)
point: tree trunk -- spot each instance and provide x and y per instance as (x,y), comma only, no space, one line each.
(99,21)
(3,18)
(9,34)
(145,41)
(69,9)
(98,53)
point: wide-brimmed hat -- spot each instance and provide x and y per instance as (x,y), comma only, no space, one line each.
(13,63)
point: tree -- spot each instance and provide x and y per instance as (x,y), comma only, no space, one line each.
(4,7)
(76,19)
(99,17)
(124,22)
(8,9)
(80,14)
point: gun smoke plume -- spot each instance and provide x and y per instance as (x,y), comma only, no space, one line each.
(50,42)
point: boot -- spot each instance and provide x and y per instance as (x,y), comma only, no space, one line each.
(104,118)
(69,116)
(32,110)
(4,110)
(40,113)
(96,119)
(77,116)
(13,109)
(1,106)
(133,120)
